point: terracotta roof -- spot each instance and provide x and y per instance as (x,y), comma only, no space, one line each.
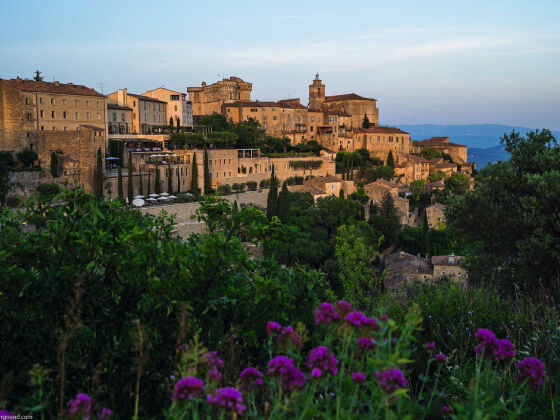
(292,103)
(328,178)
(384,183)
(91,127)
(446,259)
(380,130)
(435,161)
(445,165)
(437,206)
(347,97)
(117,106)
(146,98)
(436,141)
(414,158)
(27,85)
(436,184)
(311,190)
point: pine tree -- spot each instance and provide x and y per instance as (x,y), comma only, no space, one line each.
(171,121)
(121,155)
(169,179)
(390,160)
(130,186)
(372,209)
(54,164)
(120,187)
(425,236)
(284,203)
(178,182)
(207,182)
(272,199)
(99,175)
(365,122)
(388,206)
(194,183)
(141,192)
(341,193)
(157,182)
(235,208)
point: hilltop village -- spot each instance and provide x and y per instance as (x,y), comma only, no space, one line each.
(165,146)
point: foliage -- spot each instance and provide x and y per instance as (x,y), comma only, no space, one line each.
(390,159)
(238,187)
(431,153)
(272,198)
(27,157)
(54,165)
(195,190)
(187,140)
(360,195)
(46,191)
(206,169)
(129,184)
(417,187)
(157,181)
(436,176)
(458,183)
(224,189)
(216,121)
(120,186)
(6,164)
(283,203)
(222,139)
(365,122)
(99,175)
(251,185)
(385,172)
(510,220)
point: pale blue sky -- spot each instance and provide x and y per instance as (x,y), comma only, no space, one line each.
(443,62)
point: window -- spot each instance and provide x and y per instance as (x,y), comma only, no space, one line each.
(97,104)
(266,118)
(40,100)
(52,101)
(175,107)
(122,117)
(64,114)
(53,128)
(273,109)
(174,97)
(133,103)
(87,103)
(64,102)
(114,116)
(76,115)
(76,102)
(26,101)
(28,116)
(224,174)
(42,113)
(275,117)
(52,114)
(87,115)
(254,109)
(65,128)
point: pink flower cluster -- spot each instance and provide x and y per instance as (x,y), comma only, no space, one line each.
(440,358)
(493,348)
(343,307)
(325,314)
(358,319)
(212,362)
(80,407)
(188,387)
(531,370)
(251,379)
(228,399)
(366,343)
(358,377)
(321,359)
(391,379)
(290,376)
(105,414)
(286,335)
(431,345)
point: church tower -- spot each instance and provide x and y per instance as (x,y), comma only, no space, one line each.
(316,93)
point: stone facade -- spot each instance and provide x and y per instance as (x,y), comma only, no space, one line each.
(436,216)
(208,99)
(330,185)
(410,168)
(178,107)
(458,152)
(448,266)
(146,112)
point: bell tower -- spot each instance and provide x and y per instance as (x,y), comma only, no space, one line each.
(316,93)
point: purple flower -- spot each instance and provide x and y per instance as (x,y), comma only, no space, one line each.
(532,370)
(504,351)
(343,307)
(251,379)
(211,360)
(288,336)
(492,348)
(105,414)
(290,377)
(5,414)
(431,345)
(356,319)
(391,379)
(358,377)
(214,375)
(366,343)
(445,410)
(188,387)
(371,323)
(325,313)
(322,358)
(316,373)
(384,317)
(440,358)
(228,399)
(273,327)
(81,406)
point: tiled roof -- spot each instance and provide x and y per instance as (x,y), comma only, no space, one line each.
(311,190)
(437,206)
(414,158)
(436,141)
(435,161)
(117,106)
(347,97)
(445,165)
(380,130)
(146,98)
(292,103)
(446,259)
(329,178)
(26,85)
(383,183)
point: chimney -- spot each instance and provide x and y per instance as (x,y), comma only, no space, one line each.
(451,259)
(56,83)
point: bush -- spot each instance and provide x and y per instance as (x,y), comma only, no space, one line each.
(251,185)
(265,183)
(238,187)
(48,190)
(27,157)
(224,189)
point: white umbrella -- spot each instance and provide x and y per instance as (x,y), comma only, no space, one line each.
(153,195)
(163,198)
(138,202)
(164,194)
(154,155)
(151,199)
(139,196)
(111,158)
(172,196)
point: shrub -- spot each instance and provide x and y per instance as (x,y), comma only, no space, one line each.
(27,157)
(251,185)
(224,189)
(238,187)
(48,190)
(265,183)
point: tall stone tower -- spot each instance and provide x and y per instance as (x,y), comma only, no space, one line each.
(316,93)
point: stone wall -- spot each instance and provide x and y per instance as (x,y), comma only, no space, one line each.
(12,136)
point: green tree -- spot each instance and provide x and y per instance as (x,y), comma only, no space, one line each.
(157,182)
(458,183)
(431,153)
(141,181)
(388,208)
(195,190)
(169,179)
(510,220)
(207,181)
(149,183)
(120,186)
(417,188)
(341,194)
(54,165)
(6,164)
(372,209)
(272,198)
(177,122)
(284,203)
(217,122)
(436,176)
(99,175)
(365,122)
(130,186)
(385,172)
(27,157)
(390,160)
(171,121)
(425,236)
(48,190)
(178,182)
(354,257)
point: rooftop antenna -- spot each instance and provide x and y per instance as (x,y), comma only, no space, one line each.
(38,77)
(101,86)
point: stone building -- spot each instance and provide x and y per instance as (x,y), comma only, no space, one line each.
(147,112)
(436,216)
(178,107)
(330,185)
(458,152)
(29,106)
(410,167)
(448,266)
(119,119)
(208,99)
(376,190)
(440,164)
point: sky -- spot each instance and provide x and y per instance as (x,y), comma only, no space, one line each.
(440,62)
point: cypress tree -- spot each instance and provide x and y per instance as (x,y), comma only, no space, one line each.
(341,193)
(388,206)
(54,164)
(178,182)
(157,182)
(149,182)
(99,175)
(141,183)
(372,209)
(169,179)
(194,183)
(235,208)
(425,236)
(365,122)
(207,182)
(272,199)
(121,155)
(171,121)
(284,203)
(390,160)
(120,188)
(130,186)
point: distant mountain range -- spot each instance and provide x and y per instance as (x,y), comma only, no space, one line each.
(483,140)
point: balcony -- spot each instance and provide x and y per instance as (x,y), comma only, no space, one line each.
(120,128)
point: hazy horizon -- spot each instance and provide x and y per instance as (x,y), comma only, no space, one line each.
(426,63)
